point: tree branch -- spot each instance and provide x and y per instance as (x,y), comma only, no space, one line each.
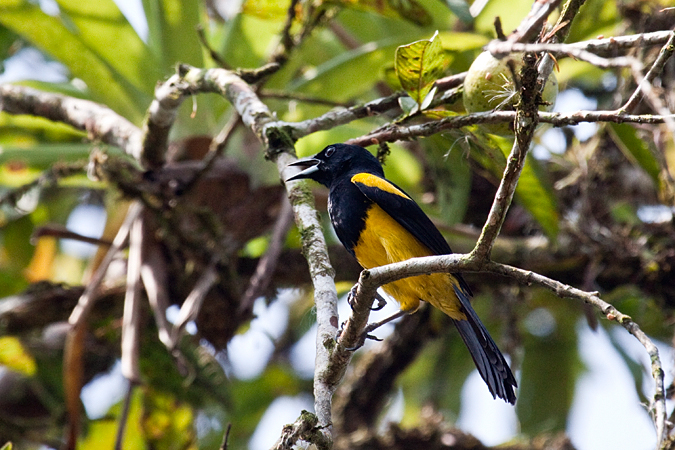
(100,122)
(502,48)
(256,116)
(371,279)
(530,27)
(394,133)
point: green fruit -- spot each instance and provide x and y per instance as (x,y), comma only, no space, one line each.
(489,86)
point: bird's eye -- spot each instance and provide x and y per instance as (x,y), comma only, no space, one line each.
(330,151)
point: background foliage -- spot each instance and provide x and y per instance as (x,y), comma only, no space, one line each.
(593,211)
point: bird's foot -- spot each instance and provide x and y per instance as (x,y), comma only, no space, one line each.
(370,328)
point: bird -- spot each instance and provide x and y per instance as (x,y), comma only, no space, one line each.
(379,223)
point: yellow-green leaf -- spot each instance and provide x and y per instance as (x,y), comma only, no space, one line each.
(15,357)
(408,9)
(266,9)
(419,65)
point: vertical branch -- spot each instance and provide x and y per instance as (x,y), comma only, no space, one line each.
(73,365)
(87,299)
(501,203)
(124,415)
(325,294)
(131,319)
(154,276)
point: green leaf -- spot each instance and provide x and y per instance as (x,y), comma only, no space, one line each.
(461,9)
(23,131)
(461,42)
(599,17)
(102,28)
(173,39)
(167,423)
(643,308)
(419,65)
(172,33)
(511,13)
(266,9)
(408,105)
(534,190)
(350,73)
(247,40)
(44,155)
(101,433)
(97,45)
(535,193)
(409,10)
(635,149)
(7,42)
(452,173)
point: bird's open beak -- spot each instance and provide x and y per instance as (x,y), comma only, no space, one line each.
(310,166)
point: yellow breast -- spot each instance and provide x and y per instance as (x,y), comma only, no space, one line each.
(384,241)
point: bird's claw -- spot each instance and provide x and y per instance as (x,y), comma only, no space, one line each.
(350,297)
(381,302)
(362,340)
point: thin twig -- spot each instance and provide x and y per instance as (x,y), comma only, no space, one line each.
(267,264)
(216,148)
(226,437)
(61,232)
(155,280)
(665,53)
(212,53)
(371,279)
(47,178)
(73,365)
(287,42)
(131,318)
(500,49)
(193,302)
(124,416)
(300,97)
(525,125)
(394,133)
(562,27)
(88,297)
(340,116)
(502,201)
(530,26)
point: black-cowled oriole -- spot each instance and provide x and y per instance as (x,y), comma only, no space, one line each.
(379,224)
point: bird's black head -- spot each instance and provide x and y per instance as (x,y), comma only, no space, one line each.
(336,161)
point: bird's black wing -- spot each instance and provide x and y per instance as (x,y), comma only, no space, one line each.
(395,202)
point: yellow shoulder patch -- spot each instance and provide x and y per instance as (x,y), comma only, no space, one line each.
(371,180)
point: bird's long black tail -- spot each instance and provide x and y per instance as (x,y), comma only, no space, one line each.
(490,362)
